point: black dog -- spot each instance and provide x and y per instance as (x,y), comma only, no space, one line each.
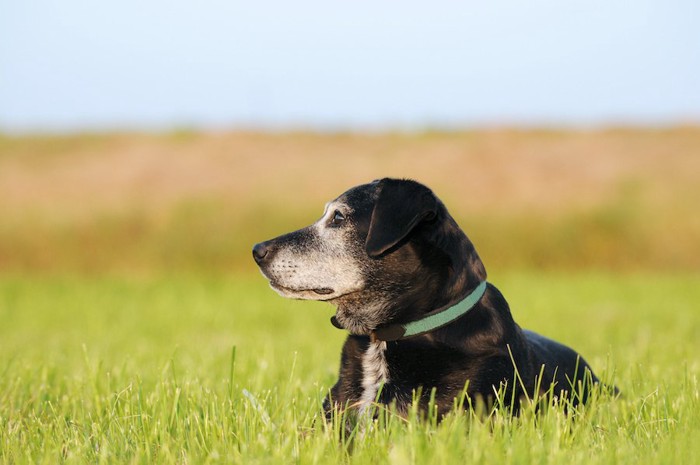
(412,292)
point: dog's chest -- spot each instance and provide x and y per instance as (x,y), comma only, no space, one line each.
(375,372)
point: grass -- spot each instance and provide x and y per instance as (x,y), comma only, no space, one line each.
(143,370)
(134,327)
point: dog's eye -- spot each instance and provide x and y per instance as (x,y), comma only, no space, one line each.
(337,218)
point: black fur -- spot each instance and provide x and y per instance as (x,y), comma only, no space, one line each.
(416,259)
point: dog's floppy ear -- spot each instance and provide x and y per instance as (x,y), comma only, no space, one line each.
(400,206)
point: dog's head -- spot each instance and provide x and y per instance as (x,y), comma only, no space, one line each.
(383,252)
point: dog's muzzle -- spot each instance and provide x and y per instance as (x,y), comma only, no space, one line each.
(263,253)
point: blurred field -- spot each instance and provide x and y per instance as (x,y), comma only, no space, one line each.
(126,282)
(616,199)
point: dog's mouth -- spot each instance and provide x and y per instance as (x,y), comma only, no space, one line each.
(321,293)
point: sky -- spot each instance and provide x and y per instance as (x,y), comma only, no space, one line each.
(84,65)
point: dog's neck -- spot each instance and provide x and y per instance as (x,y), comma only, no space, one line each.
(433,320)
(423,319)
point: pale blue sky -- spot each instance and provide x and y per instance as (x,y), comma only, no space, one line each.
(70,65)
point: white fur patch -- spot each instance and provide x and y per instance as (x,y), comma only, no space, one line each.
(328,260)
(375,373)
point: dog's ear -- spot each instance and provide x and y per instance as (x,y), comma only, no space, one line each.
(400,206)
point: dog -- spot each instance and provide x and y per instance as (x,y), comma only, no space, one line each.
(410,289)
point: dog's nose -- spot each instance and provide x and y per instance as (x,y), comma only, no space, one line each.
(260,251)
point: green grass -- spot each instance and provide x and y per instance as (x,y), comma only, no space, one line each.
(142,370)
(139,366)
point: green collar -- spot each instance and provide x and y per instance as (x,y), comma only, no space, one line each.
(431,321)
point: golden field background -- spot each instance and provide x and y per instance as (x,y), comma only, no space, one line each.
(617,199)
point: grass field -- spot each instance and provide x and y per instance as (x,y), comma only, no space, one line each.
(141,371)
(134,327)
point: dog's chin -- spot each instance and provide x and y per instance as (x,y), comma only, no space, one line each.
(358,315)
(357,326)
